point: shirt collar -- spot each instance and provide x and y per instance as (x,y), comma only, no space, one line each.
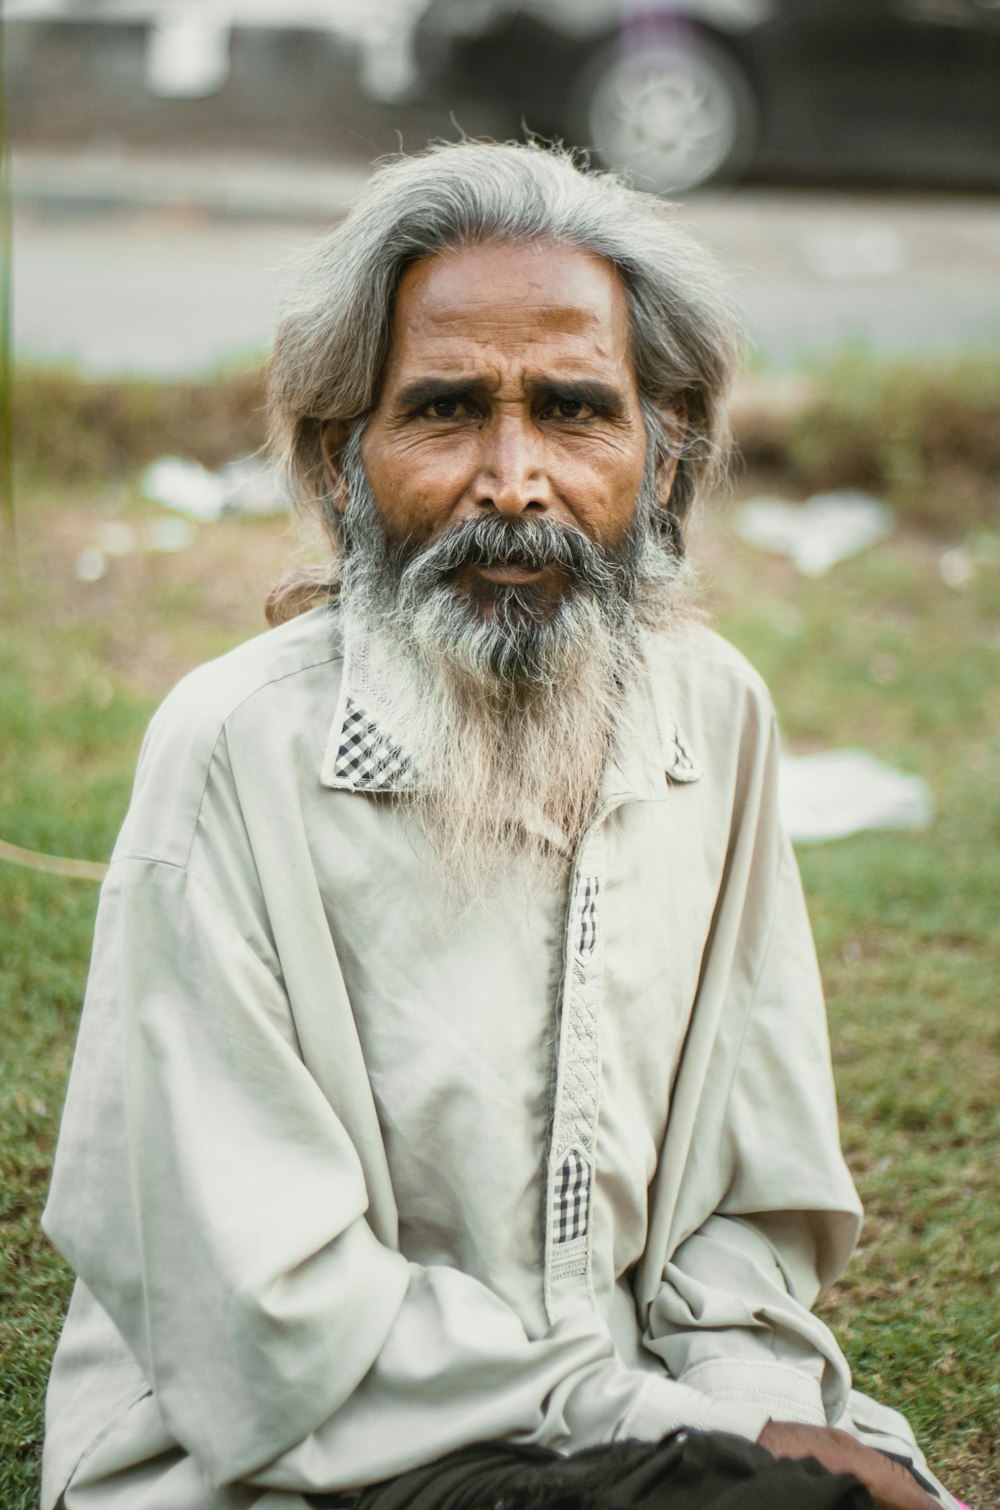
(364,753)
(662,755)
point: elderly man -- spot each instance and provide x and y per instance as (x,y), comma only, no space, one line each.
(453,1092)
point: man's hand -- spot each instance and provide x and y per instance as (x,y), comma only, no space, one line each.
(891,1486)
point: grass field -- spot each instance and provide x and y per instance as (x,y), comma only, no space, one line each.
(882,653)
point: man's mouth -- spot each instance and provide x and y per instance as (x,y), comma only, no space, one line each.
(527,568)
(510,574)
(494,581)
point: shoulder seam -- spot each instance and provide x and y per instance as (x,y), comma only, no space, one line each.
(209,763)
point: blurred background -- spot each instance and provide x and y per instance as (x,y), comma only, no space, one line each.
(842,157)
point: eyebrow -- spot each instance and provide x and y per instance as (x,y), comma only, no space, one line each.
(424,390)
(602,396)
(592,391)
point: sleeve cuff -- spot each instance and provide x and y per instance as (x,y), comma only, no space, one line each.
(785,1393)
(666,1405)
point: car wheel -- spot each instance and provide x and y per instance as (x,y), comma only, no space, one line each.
(673,116)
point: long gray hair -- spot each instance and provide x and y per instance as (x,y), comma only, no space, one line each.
(333,339)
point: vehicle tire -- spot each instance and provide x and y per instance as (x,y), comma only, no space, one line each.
(675,115)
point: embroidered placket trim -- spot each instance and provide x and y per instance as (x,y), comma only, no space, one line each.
(574,1130)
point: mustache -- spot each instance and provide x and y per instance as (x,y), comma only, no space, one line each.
(533,543)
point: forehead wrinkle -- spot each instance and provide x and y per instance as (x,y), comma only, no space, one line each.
(488,308)
(448,350)
(557,319)
(489,368)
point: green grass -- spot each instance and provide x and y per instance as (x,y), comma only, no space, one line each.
(83,668)
(881,653)
(923,434)
(108,427)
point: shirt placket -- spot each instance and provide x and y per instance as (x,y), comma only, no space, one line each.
(572,1154)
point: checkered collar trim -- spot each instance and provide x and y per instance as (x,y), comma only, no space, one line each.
(362,754)
(365,759)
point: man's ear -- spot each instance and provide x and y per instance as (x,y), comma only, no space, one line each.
(673,423)
(333,438)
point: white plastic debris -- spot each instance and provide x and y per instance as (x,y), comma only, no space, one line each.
(827,528)
(245,486)
(91,564)
(839,792)
(252,487)
(186,486)
(114,540)
(170,535)
(956,568)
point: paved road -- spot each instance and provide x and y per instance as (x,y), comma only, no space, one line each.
(175,266)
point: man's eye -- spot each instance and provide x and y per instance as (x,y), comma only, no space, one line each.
(443,408)
(571,408)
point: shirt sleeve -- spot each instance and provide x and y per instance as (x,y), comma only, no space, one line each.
(208,1195)
(756,1213)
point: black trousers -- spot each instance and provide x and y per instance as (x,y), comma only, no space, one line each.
(691,1470)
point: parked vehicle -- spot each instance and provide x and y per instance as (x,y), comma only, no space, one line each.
(691,92)
(678,92)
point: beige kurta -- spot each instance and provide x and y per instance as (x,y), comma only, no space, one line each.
(351,1177)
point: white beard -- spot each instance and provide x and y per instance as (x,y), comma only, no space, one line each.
(502,775)
(508,716)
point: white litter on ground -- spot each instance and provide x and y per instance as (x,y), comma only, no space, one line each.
(839,792)
(252,487)
(956,568)
(245,486)
(91,564)
(170,535)
(116,538)
(186,486)
(827,528)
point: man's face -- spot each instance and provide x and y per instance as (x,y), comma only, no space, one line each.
(500,539)
(508,394)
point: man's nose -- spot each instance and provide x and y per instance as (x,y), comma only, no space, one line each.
(511,476)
